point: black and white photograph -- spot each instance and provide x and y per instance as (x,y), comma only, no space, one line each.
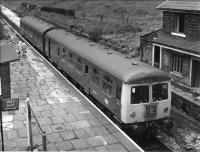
(100,75)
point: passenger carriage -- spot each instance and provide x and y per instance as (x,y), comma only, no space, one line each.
(34,30)
(130,89)
(134,92)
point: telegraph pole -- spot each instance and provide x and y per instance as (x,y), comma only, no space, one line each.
(2,140)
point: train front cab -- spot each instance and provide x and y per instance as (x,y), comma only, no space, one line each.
(145,102)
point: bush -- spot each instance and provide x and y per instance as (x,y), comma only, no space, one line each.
(95,34)
(128,28)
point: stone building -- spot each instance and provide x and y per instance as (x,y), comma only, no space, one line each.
(176,47)
(7,55)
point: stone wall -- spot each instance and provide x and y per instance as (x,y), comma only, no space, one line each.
(168,22)
(146,51)
(146,46)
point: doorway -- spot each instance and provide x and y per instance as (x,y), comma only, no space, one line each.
(196,73)
(156,56)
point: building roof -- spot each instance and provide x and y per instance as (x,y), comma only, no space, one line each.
(189,46)
(114,64)
(37,24)
(7,53)
(183,5)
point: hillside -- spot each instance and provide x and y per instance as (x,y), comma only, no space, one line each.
(122,20)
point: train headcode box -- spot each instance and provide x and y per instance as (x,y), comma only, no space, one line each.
(9,104)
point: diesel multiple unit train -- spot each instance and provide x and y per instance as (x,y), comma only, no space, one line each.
(137,94)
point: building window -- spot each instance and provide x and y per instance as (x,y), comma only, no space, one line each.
(179,23)
(107,85)
(177,63)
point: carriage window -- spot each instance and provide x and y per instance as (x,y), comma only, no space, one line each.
(118,92)
(95,76)
(70,55)
(139,94)
(86,69)
(107,85)
(64,51)
(79,66)
(58,51)
(71,61)
(160,92)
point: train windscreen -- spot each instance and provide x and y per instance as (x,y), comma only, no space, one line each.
(160,92)
(139,94)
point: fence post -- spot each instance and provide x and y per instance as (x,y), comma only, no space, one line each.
(44,141)
(29,128)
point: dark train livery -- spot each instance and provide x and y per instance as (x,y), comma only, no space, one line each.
(135,93)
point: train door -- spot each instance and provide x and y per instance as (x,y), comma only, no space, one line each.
(118,93)
(46,46)
(49,48)
(156,57)
(196,74)
(86,74)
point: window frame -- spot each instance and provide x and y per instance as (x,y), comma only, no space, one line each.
(79,62)
(162,85)
(179,18)
(71,63)
(149,96)
(118,93)
(108,82)
(58,51)
(177,64)
(95,76)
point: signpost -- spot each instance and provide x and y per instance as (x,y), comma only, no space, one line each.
(7,105)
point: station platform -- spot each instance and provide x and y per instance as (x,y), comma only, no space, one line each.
(69,120)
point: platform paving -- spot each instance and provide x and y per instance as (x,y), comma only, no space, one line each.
(69,120)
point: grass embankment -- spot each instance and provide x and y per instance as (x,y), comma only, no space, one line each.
(123,21)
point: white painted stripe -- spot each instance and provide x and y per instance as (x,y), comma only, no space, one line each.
(139,148)
(177,50)
(161,4)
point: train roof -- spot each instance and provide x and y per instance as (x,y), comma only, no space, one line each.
(37,24)
(126,70)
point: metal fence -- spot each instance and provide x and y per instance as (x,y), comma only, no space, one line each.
(29,114)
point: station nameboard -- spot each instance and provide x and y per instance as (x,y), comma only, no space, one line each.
(9,104)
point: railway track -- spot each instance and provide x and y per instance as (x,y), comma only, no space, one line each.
(150,144)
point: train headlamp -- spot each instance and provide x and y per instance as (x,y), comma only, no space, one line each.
(133,114)
(166,109)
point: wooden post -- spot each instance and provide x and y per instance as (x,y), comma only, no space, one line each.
(2,141)
(29,128)
(44,141)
